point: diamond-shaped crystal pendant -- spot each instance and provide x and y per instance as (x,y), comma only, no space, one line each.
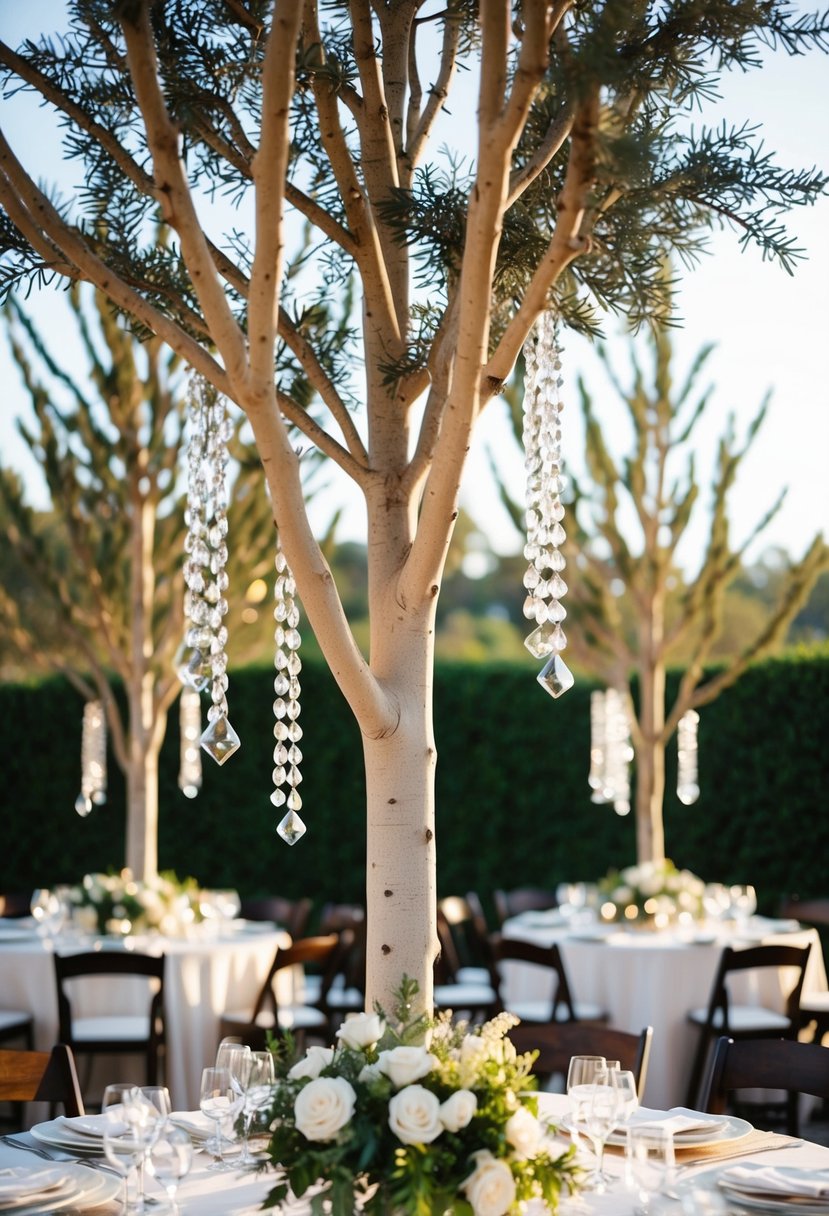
(545,639)
(191,667)
(291,828)
(220,740)
(556,677)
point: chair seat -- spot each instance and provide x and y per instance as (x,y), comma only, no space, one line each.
(345,999)
(291,1017)
(815,1002)
(746,1019)
(473,975)
(14,1019)
(127,1028)
(464,996)
(538,1012)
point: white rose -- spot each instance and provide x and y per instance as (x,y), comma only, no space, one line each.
(491,1187)
(458,1109)
(403,1065)
(312,1063)
(631,875)
(524,1133)
(370,1073)
(324,1106)
(414,1115)
(360,1030)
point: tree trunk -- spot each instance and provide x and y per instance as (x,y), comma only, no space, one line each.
(400,830)
(142,812)
(650,791)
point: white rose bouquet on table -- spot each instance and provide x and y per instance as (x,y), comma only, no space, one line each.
(119,903)
(649,889)
(414,1117)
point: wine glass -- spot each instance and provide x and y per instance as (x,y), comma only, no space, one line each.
(580,1074)
(154,1109)
(601,1115)
(652,1164)
(257,1083)
(217,1101)
(124,1143)
(227,903)
(625,1082)
(47,910)
(743,903)
(170,1158)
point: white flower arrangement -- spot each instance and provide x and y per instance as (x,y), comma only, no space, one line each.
(414,1116)
(119,904)
(652,889)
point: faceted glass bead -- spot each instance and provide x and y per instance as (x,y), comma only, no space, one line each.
(294,776)
(294,710)
(558,587)
(280,756)
(529,608)
(557,535)
(294,732)
(281,684)
(220,740)
(280,730)
(294,800)
(293,639)
(294,754)
(83,805)
(281,561)
(555,611)
(294,663)
(280,775)
(291,828)
(280,708)
(293,616)
(556,560)
(556,676)
(191,667)
(279,797)
(539,642)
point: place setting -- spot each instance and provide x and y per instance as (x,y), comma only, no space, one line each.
(27,1189)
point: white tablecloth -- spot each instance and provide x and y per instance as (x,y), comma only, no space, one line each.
(646,978)
(206,1193)
(204,976)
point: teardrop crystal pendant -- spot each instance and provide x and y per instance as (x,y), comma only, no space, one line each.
(220,740)
(291,828)
(556,676)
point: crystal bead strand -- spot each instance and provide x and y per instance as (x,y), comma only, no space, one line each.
(619,752)
(93,759)
(687,777)
(545,534)
(219,739)
(192,658)
(190,772)
(287,730)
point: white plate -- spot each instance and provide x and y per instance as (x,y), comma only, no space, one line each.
(723,1128)
(771,1203)
(87,1186)
(59,1135)
(19,1181)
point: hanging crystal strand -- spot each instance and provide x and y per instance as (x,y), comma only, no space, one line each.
(192,658)
(687,778)
(93,759)
(597,776)
(208,584)
(287,730)
(189,716)
(619,753)
(545,534)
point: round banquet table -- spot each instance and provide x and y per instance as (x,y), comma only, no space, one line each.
(647,978)
(206,973)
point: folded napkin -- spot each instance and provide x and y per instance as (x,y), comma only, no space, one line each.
(20,1181)
(96,1125)
(195,1123)
(775,1180)
(679,1120)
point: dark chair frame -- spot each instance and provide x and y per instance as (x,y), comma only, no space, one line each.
(290,914)
(522,899)
(41,1076)
(556,1042)
(323,950)
(514,949)
(717,1022)
(797,1068)
(113,964)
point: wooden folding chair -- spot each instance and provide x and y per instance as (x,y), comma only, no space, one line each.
(41,1076)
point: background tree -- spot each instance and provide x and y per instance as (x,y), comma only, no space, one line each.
(634,612)
(579,184)
(98,593)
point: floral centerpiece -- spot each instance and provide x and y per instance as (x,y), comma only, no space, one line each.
(651,891)
(118,903)
(414,1117)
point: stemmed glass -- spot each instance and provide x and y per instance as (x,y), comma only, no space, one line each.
(170,1159)
(601,1115)
(218,1101)
(625,1083)
(124,1139)
(743,903)
(155,1110)
(257,1082)
(580,1074)
(652,1163)
(47,910)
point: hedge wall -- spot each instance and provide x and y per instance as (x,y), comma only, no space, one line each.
(513,802)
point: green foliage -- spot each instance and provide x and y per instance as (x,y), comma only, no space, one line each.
(513,805)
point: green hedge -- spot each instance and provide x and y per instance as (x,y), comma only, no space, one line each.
(512,797)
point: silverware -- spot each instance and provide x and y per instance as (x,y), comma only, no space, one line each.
(97,1163)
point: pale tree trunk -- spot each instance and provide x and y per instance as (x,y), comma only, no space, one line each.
(148,724)
(650,750)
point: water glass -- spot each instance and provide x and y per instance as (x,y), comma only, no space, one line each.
(217,1100)
(124,1142)
(580,1076)
(652,1165)
(170,1159)
(257,1085)
(47,910)
(601,1115)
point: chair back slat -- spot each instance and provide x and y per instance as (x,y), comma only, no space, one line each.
(557,1042)
(41,1076)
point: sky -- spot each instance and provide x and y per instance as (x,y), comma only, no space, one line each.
(771,330)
